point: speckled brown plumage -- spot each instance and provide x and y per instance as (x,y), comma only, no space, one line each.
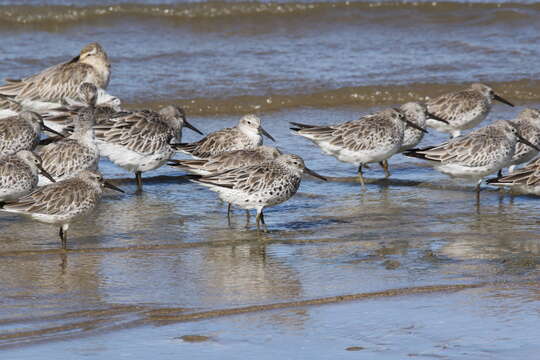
(60,81)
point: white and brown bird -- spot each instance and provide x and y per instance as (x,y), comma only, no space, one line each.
(462,109)
(370,139)
(51,86)
(21,132)
(475,155)
(19,174)
(246,135)
(259,186)
(140,141)
(63,202)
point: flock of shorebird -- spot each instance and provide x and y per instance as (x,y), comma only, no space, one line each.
(55,179)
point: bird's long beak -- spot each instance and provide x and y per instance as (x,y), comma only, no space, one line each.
(45,173)
(313,173)
(265,133)
(500,99)
(173,162)
(111,186)
(413,125)
(435,117)
(46,128)
(189,126)
(521,139)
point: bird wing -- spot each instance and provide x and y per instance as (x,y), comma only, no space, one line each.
(10,171)
(140,131)
(66,156)
(452,105)
(12,134)
(248,179)
(366,133)
(7,102)
(235,159)
(529,176)
(357,135)
(52,199)
(214,144)
(473,150)
(52,84)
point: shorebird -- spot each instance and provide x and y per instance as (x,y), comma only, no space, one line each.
(475,155)
(416,113)
(259,186)
(19,174)
(526,180)
(462,109)
(62,118)
(372,138)
(62,202)
(227,161)
(21,132)
(245,136)
(140,141)
(51,86)
(528,125)
(67,157)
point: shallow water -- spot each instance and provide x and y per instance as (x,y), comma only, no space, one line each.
(147,270)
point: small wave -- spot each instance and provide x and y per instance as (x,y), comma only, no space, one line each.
(520,91)
(59,14)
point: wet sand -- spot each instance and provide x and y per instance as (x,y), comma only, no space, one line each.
(409,268)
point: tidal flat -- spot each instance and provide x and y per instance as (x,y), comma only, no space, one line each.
(413,267)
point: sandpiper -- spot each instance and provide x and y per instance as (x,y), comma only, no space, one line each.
(228,161)
(245,136)
(462,109)
(63,202)
(528,125)
(475,155)
(140,141)
(21,132)
(19,174)
(372,138)
(259,186)
(51,86)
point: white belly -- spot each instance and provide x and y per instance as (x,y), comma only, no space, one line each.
(133,161)
(460,171)
(360,157)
